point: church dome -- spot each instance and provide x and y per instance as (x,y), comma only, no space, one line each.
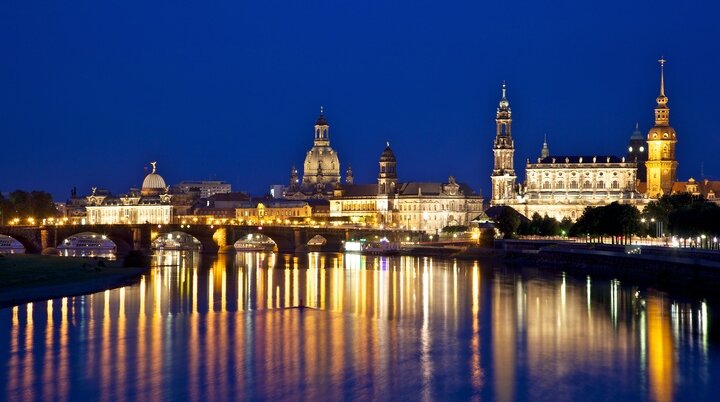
(153,182)
(322,161)
(387,155)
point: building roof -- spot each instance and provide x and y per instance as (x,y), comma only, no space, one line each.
(703,187)
(581,159)
(360,190)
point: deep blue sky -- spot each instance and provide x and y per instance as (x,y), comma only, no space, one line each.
(91,93)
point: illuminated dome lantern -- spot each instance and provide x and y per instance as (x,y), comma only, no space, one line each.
(322,166)
(153,184)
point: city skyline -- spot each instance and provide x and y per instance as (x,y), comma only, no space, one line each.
(198,100)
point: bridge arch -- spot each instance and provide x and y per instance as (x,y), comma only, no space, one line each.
(10,245)
(176,240)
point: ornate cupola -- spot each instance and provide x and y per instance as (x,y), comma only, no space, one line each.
(661,164)
(503,176)
(387,177)
(322,128)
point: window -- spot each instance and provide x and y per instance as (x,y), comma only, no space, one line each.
(587,184)
(560,185)
(601,184)
(615,184)
(574,184)
(546,185)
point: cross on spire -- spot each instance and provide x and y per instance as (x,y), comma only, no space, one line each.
(662,62)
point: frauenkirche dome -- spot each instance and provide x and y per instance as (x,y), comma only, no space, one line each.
(322,165)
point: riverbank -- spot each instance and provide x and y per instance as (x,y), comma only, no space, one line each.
(25,278)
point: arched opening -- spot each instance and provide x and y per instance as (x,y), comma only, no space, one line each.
(176,241)
(316,243)
(9,245)
(88,244)
(256,242)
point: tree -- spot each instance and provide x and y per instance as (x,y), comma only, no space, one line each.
(507,222)
(21,204)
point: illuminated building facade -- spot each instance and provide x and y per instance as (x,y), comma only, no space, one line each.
(559,186)
(152,204)
(428,206)
(257,211)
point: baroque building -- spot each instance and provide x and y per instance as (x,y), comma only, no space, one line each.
(321,170)
(152,204)
(559,186)
(428,206)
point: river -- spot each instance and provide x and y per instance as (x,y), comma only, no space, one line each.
(258,326)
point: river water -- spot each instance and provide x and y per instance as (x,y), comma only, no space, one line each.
(229,327)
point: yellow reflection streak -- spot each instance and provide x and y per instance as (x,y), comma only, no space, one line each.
(223,290)
(29,374)
(426,365)
(105,348)
(211,307)
(476,375)
(121,364)
(661,360)
(62,372)
(48,366)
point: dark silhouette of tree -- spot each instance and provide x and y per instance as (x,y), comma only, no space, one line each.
(507,222)
(21,204)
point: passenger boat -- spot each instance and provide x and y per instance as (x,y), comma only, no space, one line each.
(253,246)
(382,247)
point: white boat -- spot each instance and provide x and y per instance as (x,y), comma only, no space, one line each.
(382,247)
(88,244)
(8,245)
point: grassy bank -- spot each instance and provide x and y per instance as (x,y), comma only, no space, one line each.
(25,278)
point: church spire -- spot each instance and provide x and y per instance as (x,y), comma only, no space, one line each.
(545,152)
(662,75)
(662,112)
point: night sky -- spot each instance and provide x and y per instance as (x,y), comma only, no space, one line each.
(91,93)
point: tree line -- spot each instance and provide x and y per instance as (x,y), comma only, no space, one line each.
(23,204)
(683,214)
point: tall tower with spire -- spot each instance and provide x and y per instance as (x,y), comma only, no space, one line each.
(503,176)
(545,151)
(661,164)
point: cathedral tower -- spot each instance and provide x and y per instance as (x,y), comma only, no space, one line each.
(503,176)
(387,177)
(322,166)
(661,164)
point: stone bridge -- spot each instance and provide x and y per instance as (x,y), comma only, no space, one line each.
(289,239)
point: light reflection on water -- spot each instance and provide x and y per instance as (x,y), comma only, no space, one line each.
(225,328)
